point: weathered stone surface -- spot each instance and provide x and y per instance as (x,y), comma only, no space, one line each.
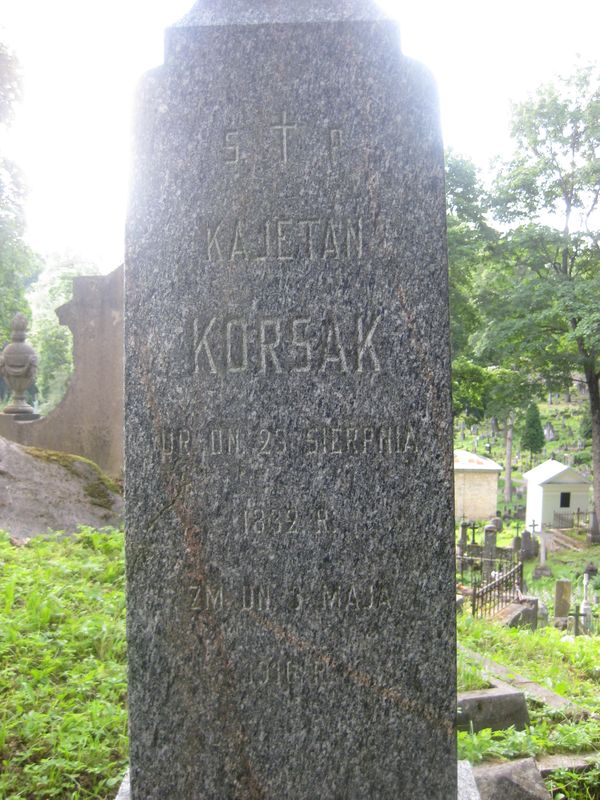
(520,614)
(42,491)
(492,708)
(467,788)
(517,780)
(562,597)
(289,443)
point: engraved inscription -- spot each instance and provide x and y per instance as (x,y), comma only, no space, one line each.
(274,345)
(286,673)
(207,597)
(262,520)
(313,238)
(352,598)
(248,596)
(277,142)
(342,438)
(385,440)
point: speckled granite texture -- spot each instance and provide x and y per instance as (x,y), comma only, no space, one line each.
(289,454)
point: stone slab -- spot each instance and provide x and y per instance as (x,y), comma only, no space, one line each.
(574,763)
(515,780)
(496,708)
(467,788)
(289,437)
(529,687)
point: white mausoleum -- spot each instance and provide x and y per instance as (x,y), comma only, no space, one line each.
(475,485)
(553,488)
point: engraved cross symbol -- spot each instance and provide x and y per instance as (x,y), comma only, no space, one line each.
(284,127)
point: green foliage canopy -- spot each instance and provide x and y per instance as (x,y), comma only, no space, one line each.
(532,438)
(18,264)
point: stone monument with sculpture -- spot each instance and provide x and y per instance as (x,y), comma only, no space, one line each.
(89,419)
(18,368)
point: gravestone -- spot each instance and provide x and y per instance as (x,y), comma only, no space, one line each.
(489,552)
(528,548)
(289,438)
(562,597)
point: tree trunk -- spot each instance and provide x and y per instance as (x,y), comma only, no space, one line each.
(508,437)
(594,396)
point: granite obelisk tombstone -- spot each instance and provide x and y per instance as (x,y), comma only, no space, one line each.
(288,430)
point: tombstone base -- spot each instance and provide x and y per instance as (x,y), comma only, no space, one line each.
(467,788)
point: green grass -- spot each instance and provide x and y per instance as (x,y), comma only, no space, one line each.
(63,719)
(564,664)
(567,665)
(548,733)
(470,674)
(567,785)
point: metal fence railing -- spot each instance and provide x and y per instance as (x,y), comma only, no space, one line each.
(571,519)
(488,599)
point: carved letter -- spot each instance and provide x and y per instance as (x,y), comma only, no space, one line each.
(352,599)
(309,223)
(281,240)
(335,141)
(203,343)
(365,343)
(213,241)
(301,343)
(267,252)
(354,235)
(232,148)
(284,128)
(330,245)
(269,347)
(332,599)
(241,367)
(334,340)
(237,247)
(214,599)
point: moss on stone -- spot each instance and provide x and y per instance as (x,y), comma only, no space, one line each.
(98,494)
(98,489)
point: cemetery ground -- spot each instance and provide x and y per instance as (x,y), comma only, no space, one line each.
(63,726)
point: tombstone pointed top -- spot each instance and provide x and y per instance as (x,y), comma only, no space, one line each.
(260,12)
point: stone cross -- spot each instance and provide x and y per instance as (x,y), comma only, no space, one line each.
(288,422)
(543,545)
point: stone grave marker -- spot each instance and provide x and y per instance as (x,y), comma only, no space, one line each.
(562,597)
(289,439)
(489,552)
(527,545)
